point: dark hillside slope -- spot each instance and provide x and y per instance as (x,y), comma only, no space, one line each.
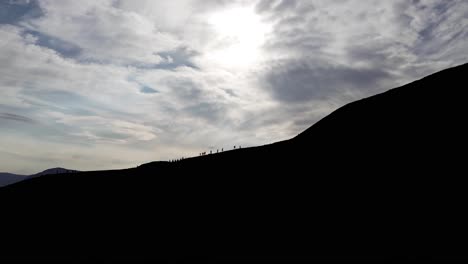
(415,129)
(424,115)
(382,177)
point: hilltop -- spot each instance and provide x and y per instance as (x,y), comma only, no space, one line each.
(9,178)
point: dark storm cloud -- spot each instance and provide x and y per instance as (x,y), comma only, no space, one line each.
(15,117)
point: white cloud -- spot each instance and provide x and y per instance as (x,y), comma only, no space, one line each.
(104,33)
(349,49)
(78,70)
(171,16)
(104,129)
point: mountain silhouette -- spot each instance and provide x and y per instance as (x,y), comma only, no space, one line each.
(378,179)
(53,171)
(9,178)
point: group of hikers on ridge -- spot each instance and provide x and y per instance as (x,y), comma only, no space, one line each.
(217,151)
(205,153)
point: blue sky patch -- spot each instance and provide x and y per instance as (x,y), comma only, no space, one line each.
(13,11)
(147,90)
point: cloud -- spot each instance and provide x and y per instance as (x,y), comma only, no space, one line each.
(102,33)
(85,105)
(97,128)
(148,90)
(332,52)
(14,117)
(115,83)
(64,48)
(180,57)
(303,81)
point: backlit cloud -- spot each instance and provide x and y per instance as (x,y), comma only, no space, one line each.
(98,84)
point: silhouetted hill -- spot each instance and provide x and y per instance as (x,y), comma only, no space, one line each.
(9,178)
(381,179)
(53,171)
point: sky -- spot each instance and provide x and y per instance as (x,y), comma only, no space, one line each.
(108,84)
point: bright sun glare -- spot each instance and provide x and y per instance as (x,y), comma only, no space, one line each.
(241,33)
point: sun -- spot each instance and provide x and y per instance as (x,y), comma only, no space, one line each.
(240,34)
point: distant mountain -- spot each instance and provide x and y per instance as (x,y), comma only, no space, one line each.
(8,178)
(53,171)
(379,179)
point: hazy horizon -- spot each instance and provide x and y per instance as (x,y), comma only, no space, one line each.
(92,85)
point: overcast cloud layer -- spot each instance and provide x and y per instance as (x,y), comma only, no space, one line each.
(113,83)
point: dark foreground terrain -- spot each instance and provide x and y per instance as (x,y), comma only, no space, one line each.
(380,179)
